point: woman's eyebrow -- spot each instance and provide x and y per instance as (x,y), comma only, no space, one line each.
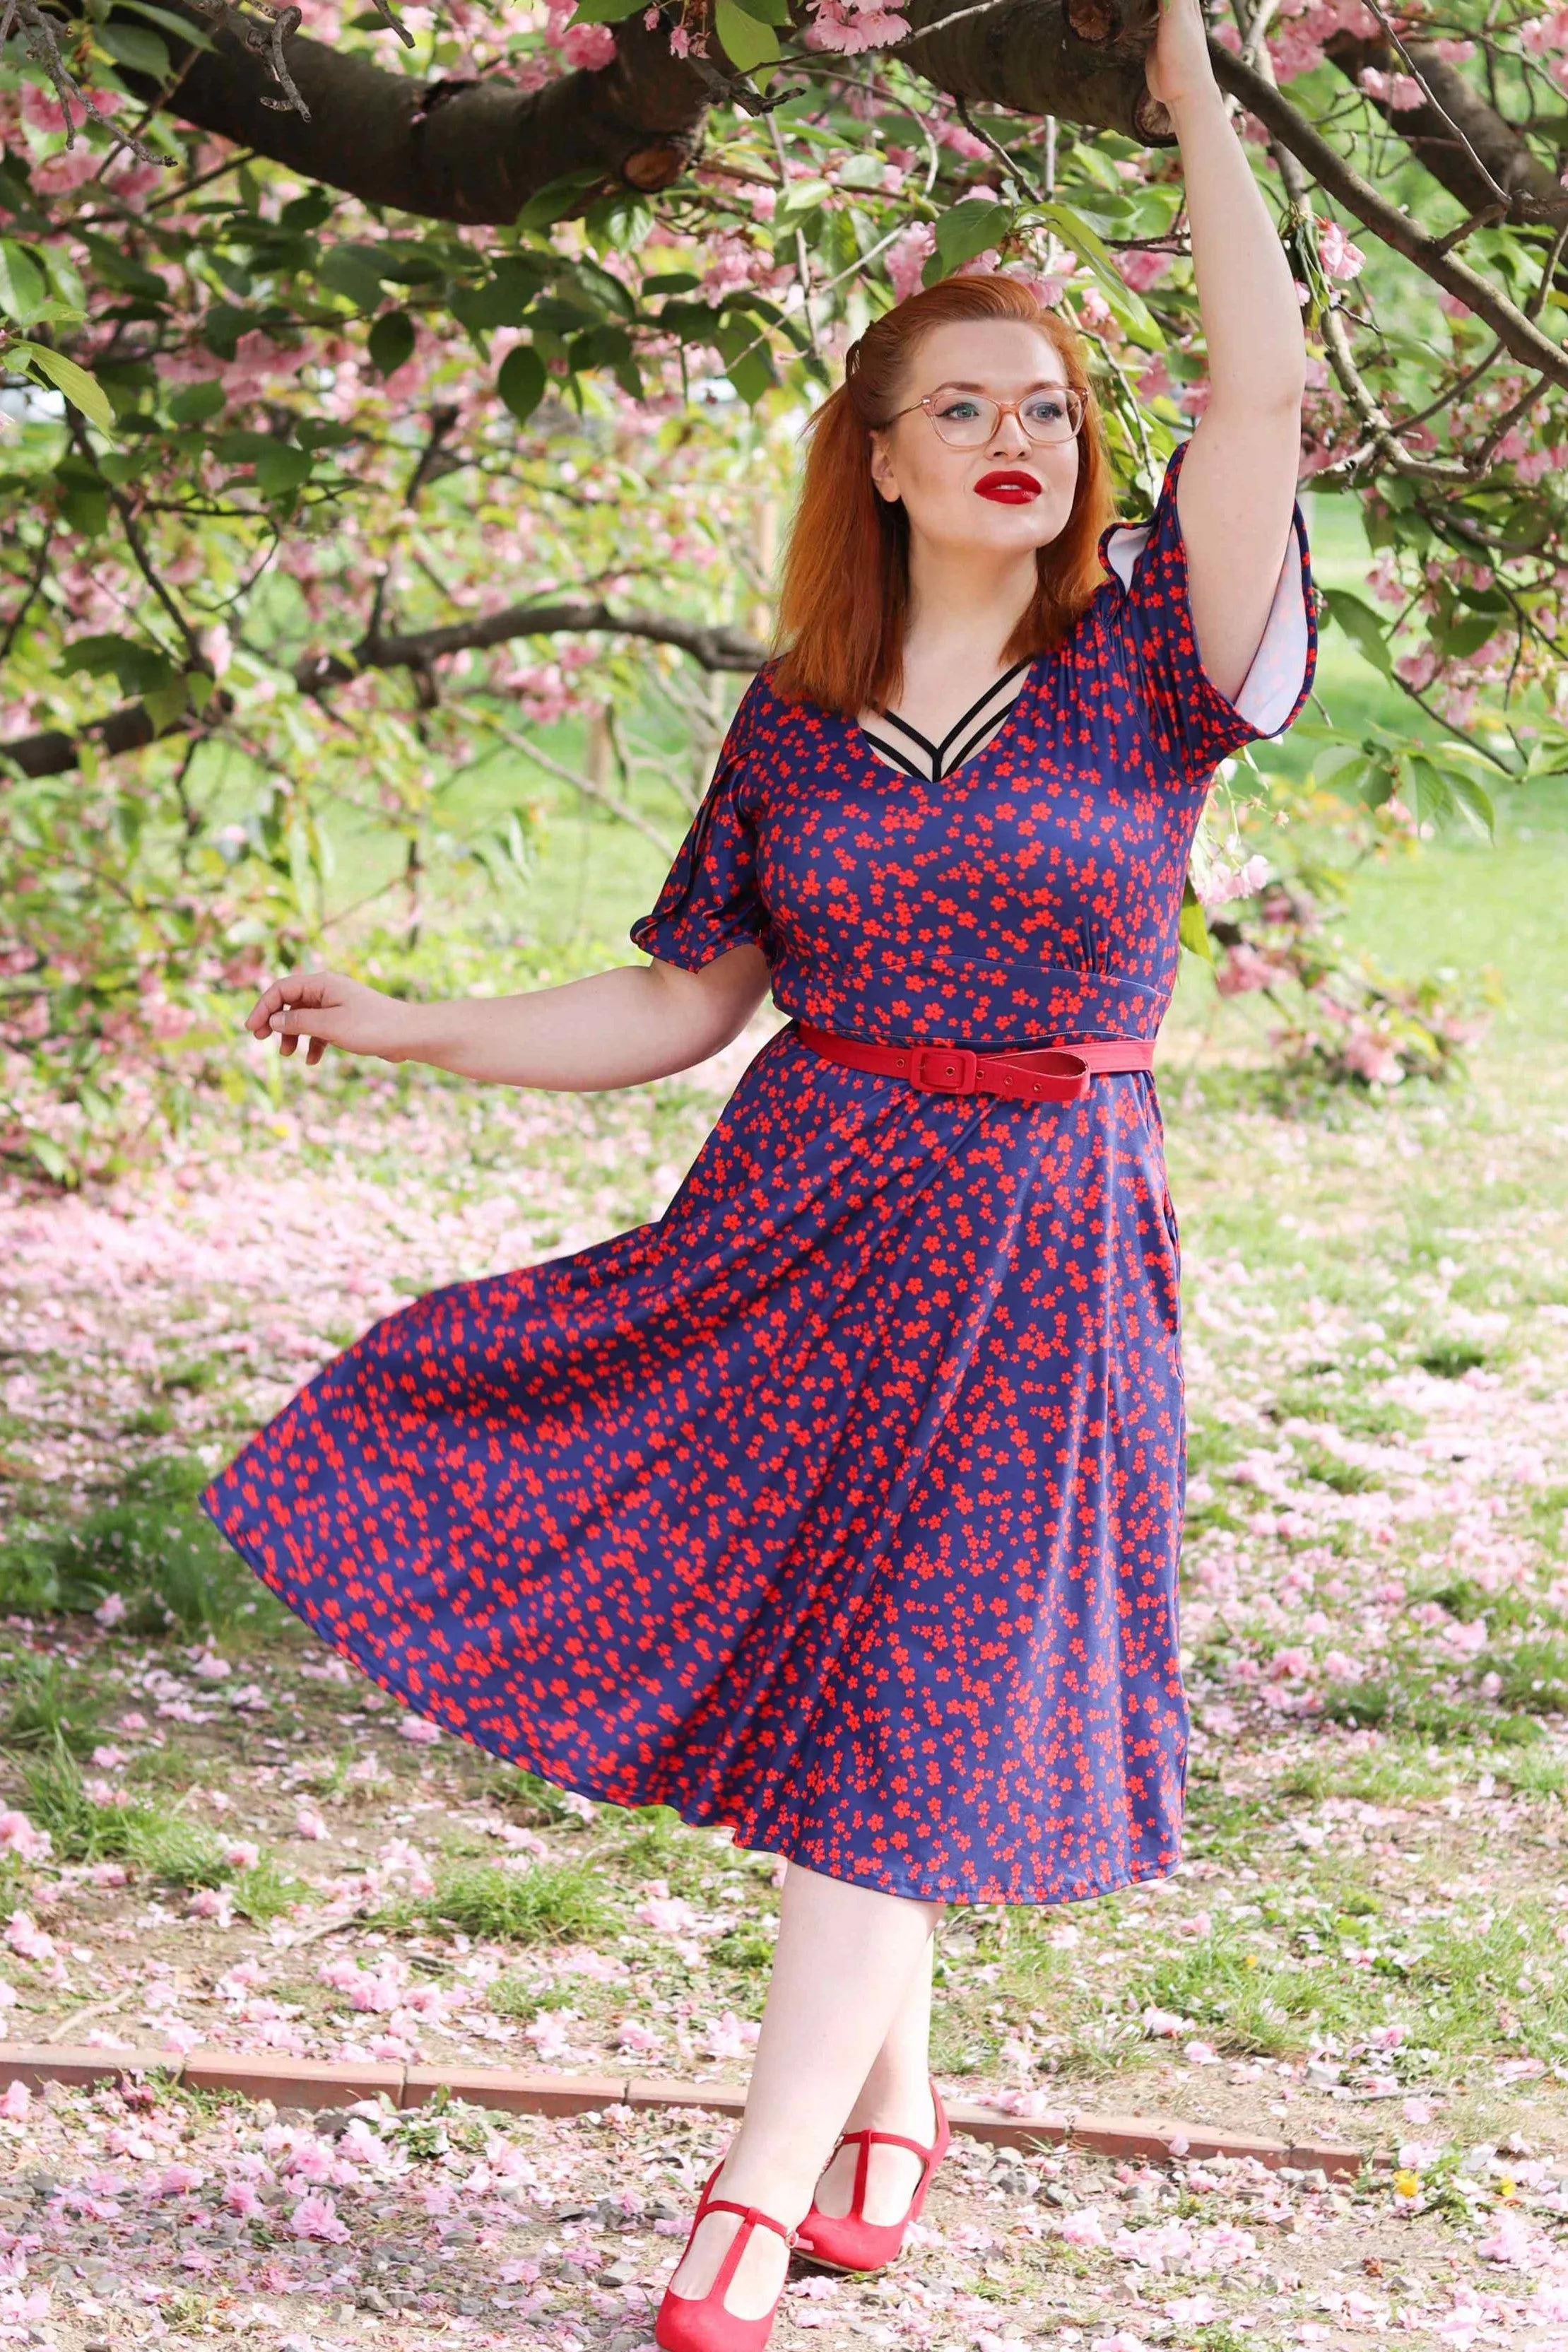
(1040,384)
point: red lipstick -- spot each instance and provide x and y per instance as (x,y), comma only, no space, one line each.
(1009,487)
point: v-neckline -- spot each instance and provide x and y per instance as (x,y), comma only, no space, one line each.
(885,755)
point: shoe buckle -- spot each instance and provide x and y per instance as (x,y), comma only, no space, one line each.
(946,1069)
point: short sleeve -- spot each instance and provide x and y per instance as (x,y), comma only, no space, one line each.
(710,901)
(1192,725)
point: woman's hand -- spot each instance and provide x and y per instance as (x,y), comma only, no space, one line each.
(329,1010)
(1177,66)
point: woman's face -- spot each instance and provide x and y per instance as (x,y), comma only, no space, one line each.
(1008,495)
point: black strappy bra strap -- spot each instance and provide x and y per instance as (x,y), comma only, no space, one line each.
(936,752)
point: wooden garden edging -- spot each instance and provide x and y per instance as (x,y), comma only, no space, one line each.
(326,2083)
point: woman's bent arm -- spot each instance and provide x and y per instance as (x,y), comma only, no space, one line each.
(610,1029)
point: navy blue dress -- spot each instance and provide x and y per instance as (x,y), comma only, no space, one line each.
(841,1503)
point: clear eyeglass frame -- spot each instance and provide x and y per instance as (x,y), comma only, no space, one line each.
(973,432)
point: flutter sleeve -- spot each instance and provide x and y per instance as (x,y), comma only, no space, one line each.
(711,901)
(1191,725)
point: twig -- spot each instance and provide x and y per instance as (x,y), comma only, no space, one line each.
(1436,104)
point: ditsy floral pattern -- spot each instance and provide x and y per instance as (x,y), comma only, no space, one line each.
(840,1505)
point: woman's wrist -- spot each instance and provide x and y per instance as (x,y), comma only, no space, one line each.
(1191,106)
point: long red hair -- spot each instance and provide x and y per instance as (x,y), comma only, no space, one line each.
(843,601)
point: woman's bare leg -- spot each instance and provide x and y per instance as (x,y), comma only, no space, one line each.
(845,1958)
(895,2097)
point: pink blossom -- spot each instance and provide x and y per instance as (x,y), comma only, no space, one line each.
(1243,968)
(846,27)
(178,2180)
(1339,257)
(1156,382)
(18,1836)
(241,1854)
(308,1821)
(110,1610)
(1141,270)
(906,257)
(589,47)
(16,2103)
(316,2216)
(1083,2227)
(420,1730)
(25,1937)
(1399,92)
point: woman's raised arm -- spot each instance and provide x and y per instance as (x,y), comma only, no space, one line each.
(1239,478)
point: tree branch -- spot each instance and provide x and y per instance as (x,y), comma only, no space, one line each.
(54,753)
(1454,134)
(458,150)
(1517,333)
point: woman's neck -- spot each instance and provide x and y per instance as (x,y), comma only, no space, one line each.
(964,605)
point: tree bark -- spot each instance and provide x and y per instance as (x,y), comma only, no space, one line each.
(1024,54)
(471,152)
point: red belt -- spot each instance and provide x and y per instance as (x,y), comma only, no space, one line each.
(1042,1074)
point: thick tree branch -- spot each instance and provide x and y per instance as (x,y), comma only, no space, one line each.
(53,752)
(1024,54)
(474,152)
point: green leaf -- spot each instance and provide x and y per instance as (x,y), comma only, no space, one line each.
(138,668)
(766,12)
(142,52)
(83,391)
(24,288)
(1441,790)
(501,301)
(1361,625)
(282,468)
(1191,928)
(390,342)
(968,229)
(605,12)
(164,704)
(557,197)
(744,41)
(1076,234)
(345,268)
(182,27)
(521,383)
(747,361)
(197,401)
(1466,633)
(243,448)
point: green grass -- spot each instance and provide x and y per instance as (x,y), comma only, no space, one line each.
(44,1702)
(551,1903)
(152,1544)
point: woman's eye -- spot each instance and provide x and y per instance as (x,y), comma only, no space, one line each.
(1047,410)
(957,408)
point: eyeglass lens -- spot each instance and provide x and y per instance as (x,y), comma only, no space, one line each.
(968,419)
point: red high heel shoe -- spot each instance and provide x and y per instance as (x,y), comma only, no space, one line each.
(699,2323)
(848,2241)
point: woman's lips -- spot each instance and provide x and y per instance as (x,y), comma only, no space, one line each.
(1009,487)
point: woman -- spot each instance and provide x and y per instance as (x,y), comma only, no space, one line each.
(841,1504)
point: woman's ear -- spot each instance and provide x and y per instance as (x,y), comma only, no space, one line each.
(881,467)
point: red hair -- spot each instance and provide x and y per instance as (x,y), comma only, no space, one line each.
(843,600)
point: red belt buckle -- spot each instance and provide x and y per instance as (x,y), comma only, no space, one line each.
(960,1059)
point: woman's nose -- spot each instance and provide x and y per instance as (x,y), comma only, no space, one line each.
(1009,439)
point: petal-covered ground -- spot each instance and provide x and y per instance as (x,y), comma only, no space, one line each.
(211,1830)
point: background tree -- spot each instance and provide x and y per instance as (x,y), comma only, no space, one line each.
(381,387)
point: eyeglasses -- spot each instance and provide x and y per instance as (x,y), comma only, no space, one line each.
(967,420)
